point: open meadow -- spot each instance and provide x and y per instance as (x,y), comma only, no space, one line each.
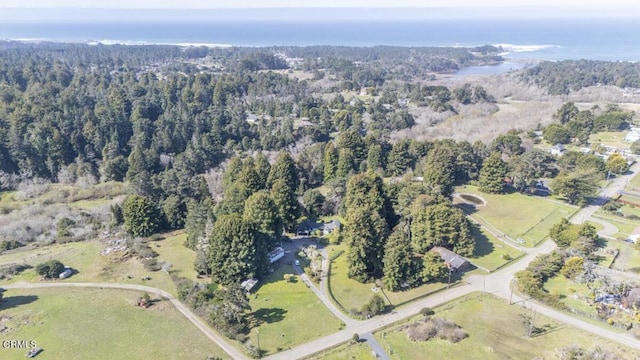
(90,266)
(75,323)
(496,331)
(518,216)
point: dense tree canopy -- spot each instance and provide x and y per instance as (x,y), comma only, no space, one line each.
(441,225)
(141,216)
(236,251)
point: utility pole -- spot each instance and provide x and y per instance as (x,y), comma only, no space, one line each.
(259,351)
(533,319)
(511,296)
(449,281)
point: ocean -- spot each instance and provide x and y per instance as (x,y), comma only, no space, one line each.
(557,39)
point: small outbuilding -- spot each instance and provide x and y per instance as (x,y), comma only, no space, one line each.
(557,150)
(249,284)
(455,263)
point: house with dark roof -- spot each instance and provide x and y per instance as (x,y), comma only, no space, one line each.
(454,262)
(328,228)
(307,227)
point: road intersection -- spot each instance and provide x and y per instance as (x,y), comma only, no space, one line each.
(497,283)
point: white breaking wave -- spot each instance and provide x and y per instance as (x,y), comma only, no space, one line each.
(508,48)
(117,42)
(135,42)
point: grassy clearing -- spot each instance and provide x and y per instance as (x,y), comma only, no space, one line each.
(491,253)
(635,181)
(287,314)
(572,293)
(351,294)
(173,251)
(90,204)
(610,138)
(628,259)
(518,215)
(100,324)
(349,351)
(91,266)
(496,331)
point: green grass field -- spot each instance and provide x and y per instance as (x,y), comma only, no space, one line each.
(490,253)
(518,215)
(99,324)
(496,331)
(635,181)
(172,250)
(572,293)
(287,314)
(91,266)
(351,294)
(349,351)
(610,138)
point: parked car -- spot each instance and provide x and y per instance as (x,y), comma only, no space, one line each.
(33,352)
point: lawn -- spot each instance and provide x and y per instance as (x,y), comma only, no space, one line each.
(628,259)
(573,294)
(635,181)
(85,258)
(287,314)
(610,138)
(172,250)
(348,351)
(99,324)
(496,331)
(490,253)
(351,294)
(518,215)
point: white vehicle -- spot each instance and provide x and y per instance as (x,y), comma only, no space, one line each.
(297,262)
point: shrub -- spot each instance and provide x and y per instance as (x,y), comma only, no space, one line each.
(50,269)
(375,306)
(430,328)
(426,311)
(151,264)
(9,245)
(64,226)
(6,271)
(355,338)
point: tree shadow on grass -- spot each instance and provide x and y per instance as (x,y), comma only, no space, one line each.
(268,315)
(482,244)
(468,209)
(9,302)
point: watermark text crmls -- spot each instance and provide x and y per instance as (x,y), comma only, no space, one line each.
(18,344)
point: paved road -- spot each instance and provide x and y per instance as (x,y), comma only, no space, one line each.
(375,346)
(232,351)
(608,230)
(496,283)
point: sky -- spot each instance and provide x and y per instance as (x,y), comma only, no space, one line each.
(213,4)
(298,10)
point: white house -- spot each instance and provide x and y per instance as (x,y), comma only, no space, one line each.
(557,150)
(633,135)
